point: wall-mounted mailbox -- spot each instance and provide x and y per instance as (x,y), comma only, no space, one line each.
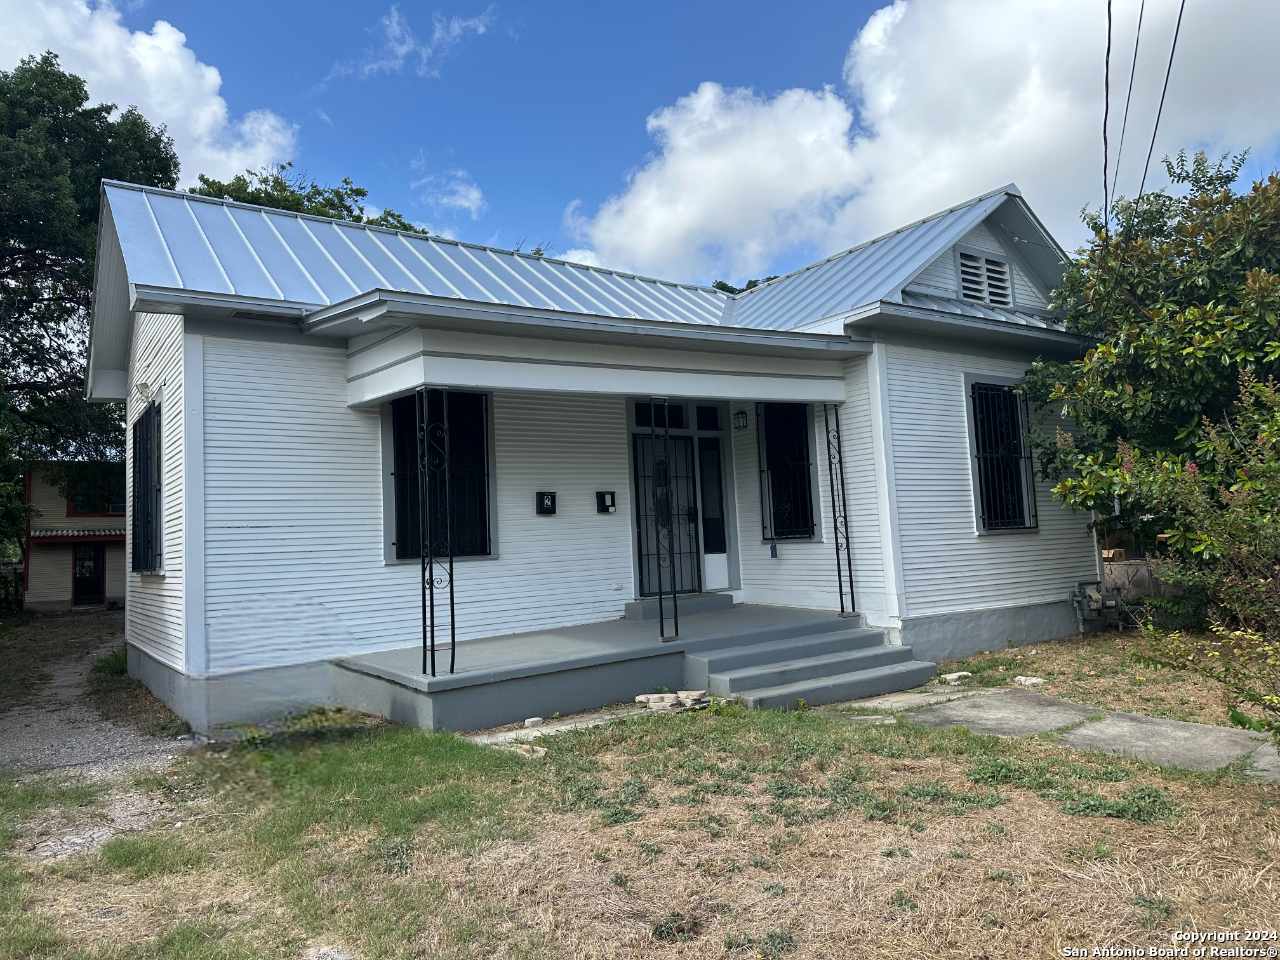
(606,501)
(544,503)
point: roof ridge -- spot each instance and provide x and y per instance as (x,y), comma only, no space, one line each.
(436,238)
(1010,188)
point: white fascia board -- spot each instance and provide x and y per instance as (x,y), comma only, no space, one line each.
(415,370)
(903,318)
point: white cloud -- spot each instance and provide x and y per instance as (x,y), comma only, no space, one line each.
(154,70)
(452,190)
(942,100)
(579,255)
(398,46)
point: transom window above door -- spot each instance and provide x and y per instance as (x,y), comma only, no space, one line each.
(655,416)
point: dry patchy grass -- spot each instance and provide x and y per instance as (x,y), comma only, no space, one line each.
(724,833)
(1105,670)
(33,646)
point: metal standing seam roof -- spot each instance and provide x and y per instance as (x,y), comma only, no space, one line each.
(181,241)
(869,272)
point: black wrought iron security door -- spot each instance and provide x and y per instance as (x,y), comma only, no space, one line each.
(666,515)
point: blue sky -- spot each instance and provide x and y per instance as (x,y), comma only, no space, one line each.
(689,141)
(545,107)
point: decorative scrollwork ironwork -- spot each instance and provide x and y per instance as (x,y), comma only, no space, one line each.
(839,506)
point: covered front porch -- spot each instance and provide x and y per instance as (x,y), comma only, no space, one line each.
(768,656)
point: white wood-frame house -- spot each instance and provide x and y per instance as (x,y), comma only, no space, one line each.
(274,366)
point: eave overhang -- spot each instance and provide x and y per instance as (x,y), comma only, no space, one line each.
(387,309)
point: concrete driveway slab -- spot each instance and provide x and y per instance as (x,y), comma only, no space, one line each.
(1007,713)
(1170,743)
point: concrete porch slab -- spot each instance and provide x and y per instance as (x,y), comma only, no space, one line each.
(1169,743)
(1005,713)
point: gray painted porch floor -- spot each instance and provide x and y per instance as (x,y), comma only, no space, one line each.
(542,651)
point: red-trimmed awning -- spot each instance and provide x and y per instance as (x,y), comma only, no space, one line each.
(78,535)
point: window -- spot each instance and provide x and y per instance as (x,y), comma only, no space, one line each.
(148,546)
(467,474)
(1003,483)
(985,279)
(707,417)
(786,474)
(95,489)
(645,415)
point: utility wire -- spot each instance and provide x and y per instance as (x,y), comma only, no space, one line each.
(1106,117)
(1124,124)
(1160,109)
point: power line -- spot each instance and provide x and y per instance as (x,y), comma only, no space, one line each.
(1160,109)
(1124,124)
(1106,117)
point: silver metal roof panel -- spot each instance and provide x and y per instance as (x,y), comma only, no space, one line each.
(187,243)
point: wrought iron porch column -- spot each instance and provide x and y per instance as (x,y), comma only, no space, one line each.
(434,542)
(839,505)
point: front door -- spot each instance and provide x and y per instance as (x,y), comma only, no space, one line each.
(88,575)
(666,515)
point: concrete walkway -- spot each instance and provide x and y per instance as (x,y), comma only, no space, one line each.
(1020,713)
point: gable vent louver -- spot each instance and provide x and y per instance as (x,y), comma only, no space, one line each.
(985,279)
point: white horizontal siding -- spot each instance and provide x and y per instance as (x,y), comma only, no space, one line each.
(939,277)
(154,619)
(294,538)
(115,575)
(946,565)
(49,575)
(804,572)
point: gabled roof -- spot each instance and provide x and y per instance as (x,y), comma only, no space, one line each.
(878,269)
(162,250)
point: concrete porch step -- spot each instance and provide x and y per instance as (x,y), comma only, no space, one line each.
(782,672)
(846,686)
(774,649)
(690,603)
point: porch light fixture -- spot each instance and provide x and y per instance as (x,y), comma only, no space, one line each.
(740,420)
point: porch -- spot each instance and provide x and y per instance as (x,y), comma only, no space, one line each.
(768,656)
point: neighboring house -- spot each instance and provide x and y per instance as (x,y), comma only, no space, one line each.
(270,364)
(74,555)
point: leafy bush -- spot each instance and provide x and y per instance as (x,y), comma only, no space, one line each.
(1223,544)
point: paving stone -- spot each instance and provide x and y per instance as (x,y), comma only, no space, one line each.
(1170,743)
(1005,713)
(911,699)
(954,678)
(1265,764)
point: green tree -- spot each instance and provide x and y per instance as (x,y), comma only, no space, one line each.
(279,187)
(54,151)
(1181,295)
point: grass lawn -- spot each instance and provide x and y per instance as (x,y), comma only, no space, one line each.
(723,833)
(1105,670)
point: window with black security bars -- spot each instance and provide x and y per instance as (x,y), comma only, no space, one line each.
(786,471)
(1002,458)
(467,419)
(147,547)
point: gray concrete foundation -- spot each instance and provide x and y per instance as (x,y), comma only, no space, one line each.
(947,636)
(250,696)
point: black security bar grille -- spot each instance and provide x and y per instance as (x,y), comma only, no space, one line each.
(786,472)
(657,496)
(1002,458)
(839,505)
(147,547)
